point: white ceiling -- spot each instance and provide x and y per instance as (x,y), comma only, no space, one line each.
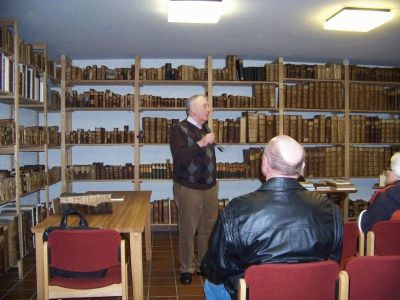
(251,29)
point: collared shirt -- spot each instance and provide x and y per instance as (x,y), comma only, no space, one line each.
(193,121)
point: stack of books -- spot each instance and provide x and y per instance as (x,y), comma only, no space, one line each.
(342,185)
(308,185)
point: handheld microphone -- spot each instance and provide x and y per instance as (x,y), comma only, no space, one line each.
(219,147)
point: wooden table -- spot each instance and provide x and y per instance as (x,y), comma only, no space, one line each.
(343,197)
(129,216)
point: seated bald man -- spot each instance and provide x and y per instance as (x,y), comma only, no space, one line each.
(281,222)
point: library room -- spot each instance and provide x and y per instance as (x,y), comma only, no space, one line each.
(199,149)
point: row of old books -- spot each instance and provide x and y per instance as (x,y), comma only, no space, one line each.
(370,161)
(254,127)
(251,127)
(98,99)
(158,101)
(156,170)
(328,71)
(264,96)
(314,95)
(374,74)
(321,162)
(6,73)
(9,241)
(167,72)
(6,40)
(236,71)
(100,171)
(366,129)
(99,73)
(27,54)
(33,178)
(100,136)
(157,130)
(323,95)
(320,129)
(28,136)
(165,211)
(374,97)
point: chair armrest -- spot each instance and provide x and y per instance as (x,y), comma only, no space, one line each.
(370,243)
(361,244)
(343,285)
(242,286)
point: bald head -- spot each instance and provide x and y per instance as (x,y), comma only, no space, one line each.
(284,156)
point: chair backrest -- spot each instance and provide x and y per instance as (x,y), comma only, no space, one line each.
(353,242)
(374,277)
(313,280)
(384,238)
(84,250)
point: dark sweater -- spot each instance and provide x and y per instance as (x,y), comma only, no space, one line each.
(193,166)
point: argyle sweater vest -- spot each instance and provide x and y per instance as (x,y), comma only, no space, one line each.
(193,166)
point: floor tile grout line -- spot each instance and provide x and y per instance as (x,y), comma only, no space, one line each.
(173,264)
(16,283)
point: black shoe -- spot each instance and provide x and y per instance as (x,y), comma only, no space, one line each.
(186,278)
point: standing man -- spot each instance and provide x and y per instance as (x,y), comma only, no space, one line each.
(195,187)
(385,202)
(281,222)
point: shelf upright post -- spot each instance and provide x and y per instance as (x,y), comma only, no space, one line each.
(17,145)
(136,124)
(209,89)
(346,134)
(43,48)
(280,94)
(65,123)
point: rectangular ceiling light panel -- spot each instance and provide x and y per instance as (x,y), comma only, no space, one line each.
(358,19)
(194,11)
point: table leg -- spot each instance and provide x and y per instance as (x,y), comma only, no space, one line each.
(147,236)
(136,265)
(39,265)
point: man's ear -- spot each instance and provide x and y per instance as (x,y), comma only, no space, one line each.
(264,165)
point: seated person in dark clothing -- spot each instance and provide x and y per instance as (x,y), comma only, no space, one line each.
(281,222)
(385,202)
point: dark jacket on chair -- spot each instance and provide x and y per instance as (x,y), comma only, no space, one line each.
(382,206)
(281,222)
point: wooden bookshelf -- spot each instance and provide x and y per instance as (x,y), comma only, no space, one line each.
(28,80)
(337,85)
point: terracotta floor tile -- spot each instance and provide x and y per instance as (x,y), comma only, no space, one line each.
(162,281)
(162,291)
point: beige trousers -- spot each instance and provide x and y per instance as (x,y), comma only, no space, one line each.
(197,212)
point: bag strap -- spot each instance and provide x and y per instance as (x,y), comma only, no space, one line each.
(83,223)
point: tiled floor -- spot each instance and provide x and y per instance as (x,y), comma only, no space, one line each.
(161,275)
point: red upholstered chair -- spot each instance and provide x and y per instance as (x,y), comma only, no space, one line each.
(99,251)
(353,242)
(372,277)
(384,239)
(313,280)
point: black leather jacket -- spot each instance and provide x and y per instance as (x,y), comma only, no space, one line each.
(280,222)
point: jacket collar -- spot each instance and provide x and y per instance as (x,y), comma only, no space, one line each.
(281,183)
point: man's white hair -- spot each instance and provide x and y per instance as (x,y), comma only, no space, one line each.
(395,164)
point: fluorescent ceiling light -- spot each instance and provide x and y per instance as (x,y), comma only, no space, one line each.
(358,19)
(194,11)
